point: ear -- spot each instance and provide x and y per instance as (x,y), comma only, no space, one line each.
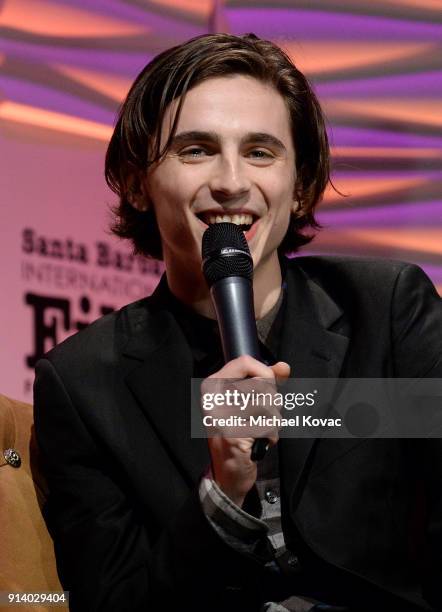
(136,196)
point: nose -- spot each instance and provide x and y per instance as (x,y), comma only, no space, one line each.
(229,178)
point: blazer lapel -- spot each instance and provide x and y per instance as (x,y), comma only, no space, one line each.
(314,343)
(160,381)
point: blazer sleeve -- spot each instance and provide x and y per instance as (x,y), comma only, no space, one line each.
(417,316)
(105,554)
(417,325)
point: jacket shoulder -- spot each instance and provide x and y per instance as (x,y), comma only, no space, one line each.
(361,268)
(100,341)
(339,274)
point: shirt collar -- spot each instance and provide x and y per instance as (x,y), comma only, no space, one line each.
(202,333)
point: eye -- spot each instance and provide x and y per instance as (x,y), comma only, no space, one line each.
(194,152)
(260,154)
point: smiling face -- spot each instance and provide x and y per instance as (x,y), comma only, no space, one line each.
(232,159)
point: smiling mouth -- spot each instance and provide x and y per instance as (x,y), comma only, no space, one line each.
(243,220)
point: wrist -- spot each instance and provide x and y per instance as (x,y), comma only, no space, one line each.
(234,496)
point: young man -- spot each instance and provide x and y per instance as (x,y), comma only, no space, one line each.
(225,128)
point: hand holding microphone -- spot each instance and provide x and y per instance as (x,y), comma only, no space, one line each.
(234,469)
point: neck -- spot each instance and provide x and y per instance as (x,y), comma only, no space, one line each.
(267,280)
(192,290)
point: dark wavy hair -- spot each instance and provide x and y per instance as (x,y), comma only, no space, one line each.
(135,143)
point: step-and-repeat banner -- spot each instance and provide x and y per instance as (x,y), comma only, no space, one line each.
(61,268)
(65,65)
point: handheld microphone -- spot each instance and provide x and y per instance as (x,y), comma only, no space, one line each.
(228,270)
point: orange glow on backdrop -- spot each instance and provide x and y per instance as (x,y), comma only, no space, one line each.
(201,8)
(111,85)
(414,110)
(365,187)
(27,115)
(52,18)
(317,57)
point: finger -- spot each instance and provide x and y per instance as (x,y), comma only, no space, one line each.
(273,440)
(281,370)
(243,367)
(245,444)
(228,447)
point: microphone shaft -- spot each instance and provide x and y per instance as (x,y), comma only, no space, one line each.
(233,300)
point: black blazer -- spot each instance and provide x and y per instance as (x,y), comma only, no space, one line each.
(112,422)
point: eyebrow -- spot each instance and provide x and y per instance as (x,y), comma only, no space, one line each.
(184,138)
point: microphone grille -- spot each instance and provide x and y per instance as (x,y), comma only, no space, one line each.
(225,253)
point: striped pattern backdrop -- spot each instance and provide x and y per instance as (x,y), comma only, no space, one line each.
(65,65)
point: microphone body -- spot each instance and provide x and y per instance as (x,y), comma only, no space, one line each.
(233,300)
(228,269)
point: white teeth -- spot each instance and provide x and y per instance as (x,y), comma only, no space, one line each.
(243,219)
(237,219)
